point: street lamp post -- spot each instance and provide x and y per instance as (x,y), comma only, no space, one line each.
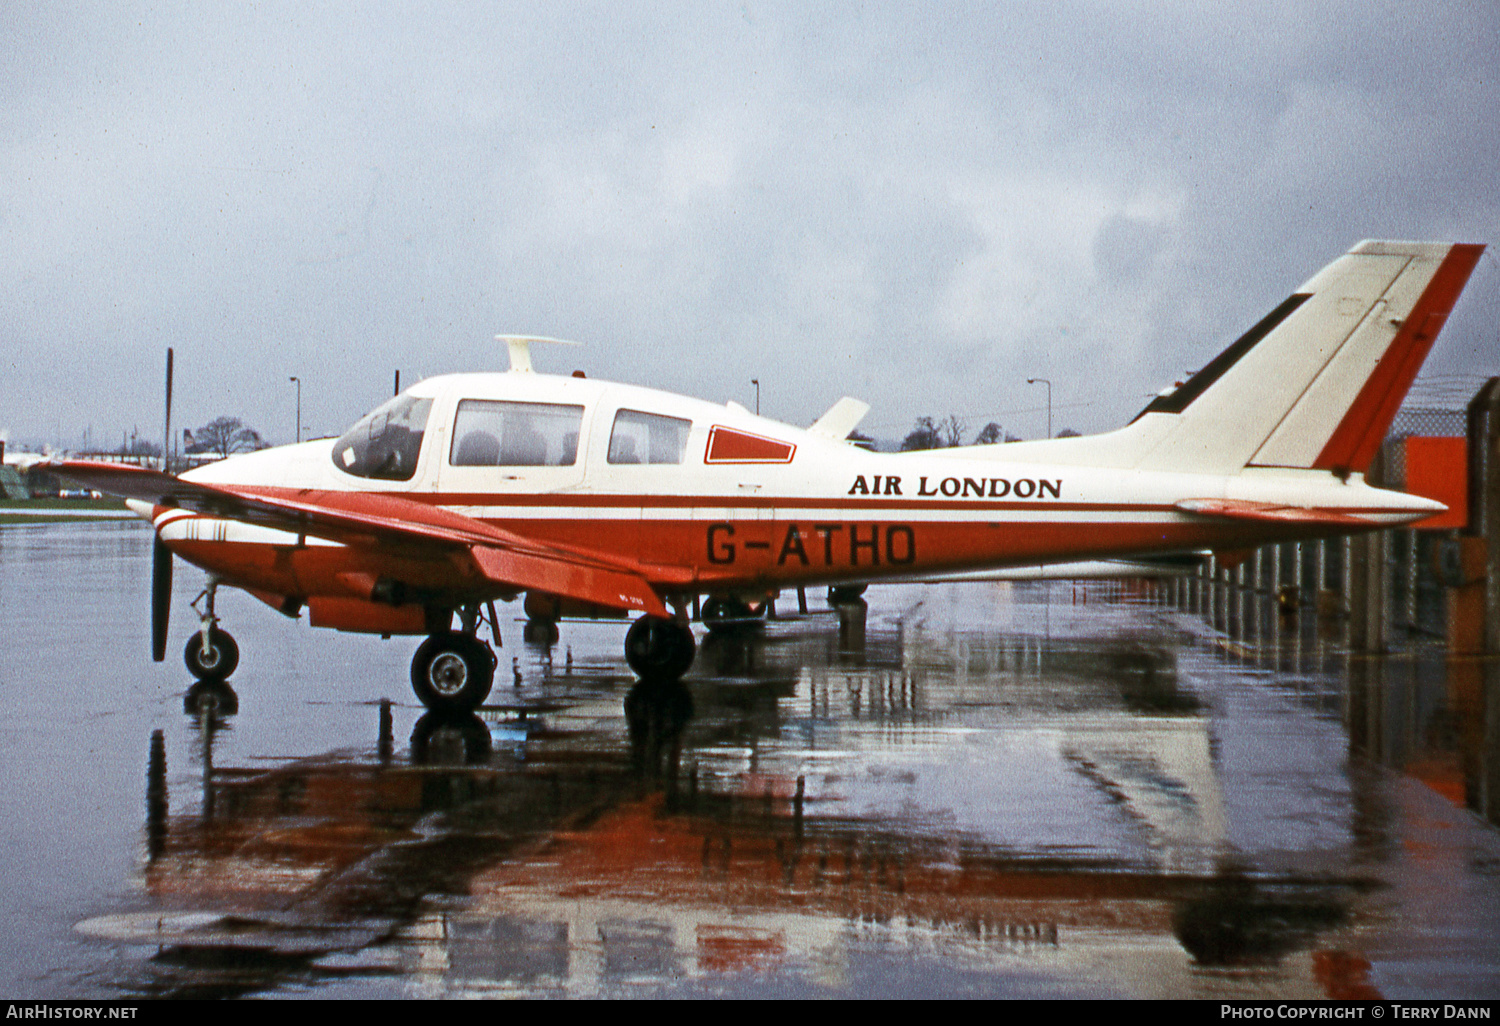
(756,383)
(1033,381)
(298,383)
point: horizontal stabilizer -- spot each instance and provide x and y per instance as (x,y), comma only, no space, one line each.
(1138,567)
(1265,512)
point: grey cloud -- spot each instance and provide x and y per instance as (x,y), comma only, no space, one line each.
(921,204)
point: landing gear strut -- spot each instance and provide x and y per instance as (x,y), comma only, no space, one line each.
(453,671)
(659,649)
(211,654)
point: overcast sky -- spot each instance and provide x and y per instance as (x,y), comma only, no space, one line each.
(919,205)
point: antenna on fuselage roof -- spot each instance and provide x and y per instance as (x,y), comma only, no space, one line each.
(520,349)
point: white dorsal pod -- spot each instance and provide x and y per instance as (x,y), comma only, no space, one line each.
(520,349)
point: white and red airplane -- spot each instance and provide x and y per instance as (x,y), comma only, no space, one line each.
(598,498)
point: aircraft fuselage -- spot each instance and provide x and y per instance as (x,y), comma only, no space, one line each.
(728,502)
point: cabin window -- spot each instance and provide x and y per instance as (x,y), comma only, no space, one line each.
(500,434)
(385,443)
(648,438)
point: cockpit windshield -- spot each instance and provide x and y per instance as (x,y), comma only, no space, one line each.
(385,443)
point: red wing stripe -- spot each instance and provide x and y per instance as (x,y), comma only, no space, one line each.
(1355,441)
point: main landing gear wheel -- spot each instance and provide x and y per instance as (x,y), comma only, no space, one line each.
(452,672)
(659,649)
(721,615)
(214,662)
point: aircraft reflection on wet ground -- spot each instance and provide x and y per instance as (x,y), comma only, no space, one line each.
(985,794)
(978,790)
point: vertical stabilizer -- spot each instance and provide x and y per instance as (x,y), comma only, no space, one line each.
(1316,384)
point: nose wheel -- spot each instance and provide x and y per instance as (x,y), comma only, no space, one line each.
(211,654)
(659,649)
(213,657)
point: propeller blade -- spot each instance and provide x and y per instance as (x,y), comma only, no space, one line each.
(161,597)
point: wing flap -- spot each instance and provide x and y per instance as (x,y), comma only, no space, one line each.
(574,578)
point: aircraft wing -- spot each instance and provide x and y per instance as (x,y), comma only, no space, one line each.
(355,518)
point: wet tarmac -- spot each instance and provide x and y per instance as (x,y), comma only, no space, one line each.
(989,790)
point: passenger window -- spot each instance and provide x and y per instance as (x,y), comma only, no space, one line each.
(501,434)
(648,438)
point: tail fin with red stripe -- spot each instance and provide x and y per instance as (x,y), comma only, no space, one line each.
(1315,384)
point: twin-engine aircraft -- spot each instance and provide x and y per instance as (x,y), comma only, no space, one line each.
(595,498)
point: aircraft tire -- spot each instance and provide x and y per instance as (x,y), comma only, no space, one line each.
(659,649)
(452,672)
(218,662)
(728,614)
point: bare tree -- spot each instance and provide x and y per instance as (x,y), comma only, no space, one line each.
(989,434)
(226,436)
(952,431)
(935,434)
(923,436)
